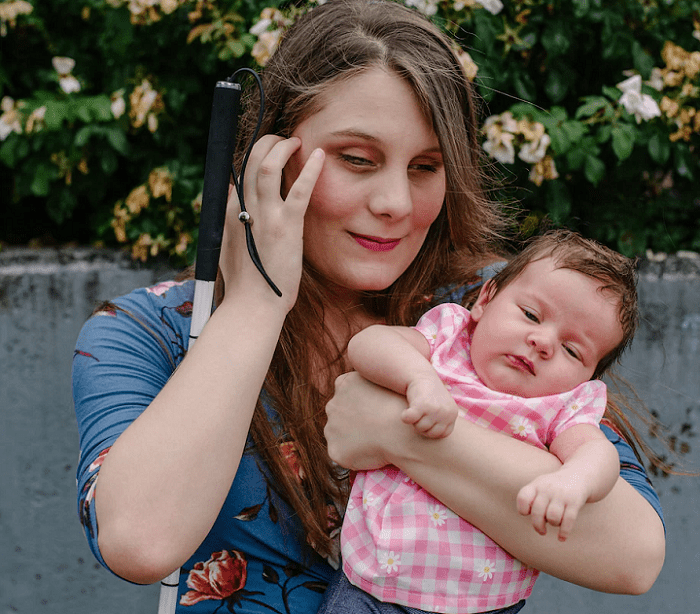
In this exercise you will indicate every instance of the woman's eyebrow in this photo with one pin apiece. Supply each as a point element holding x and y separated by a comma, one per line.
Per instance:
<point>355,133</point>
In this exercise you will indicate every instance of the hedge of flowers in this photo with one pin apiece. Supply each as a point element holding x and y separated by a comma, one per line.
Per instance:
<point>591,112</point>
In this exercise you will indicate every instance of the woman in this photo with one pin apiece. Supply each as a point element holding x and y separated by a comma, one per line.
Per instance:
<point>370,123</point>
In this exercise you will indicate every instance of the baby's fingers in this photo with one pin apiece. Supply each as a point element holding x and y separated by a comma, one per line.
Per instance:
<point>567,522</point>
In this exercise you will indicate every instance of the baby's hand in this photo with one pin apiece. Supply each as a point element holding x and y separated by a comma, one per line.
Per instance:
<point>431,408</point>
<point>553,499</point>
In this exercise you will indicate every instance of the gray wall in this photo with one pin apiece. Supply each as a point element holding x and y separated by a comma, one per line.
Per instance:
<point>45,564</point>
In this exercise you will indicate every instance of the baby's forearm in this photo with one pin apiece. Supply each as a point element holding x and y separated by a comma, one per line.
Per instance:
<point>594,463</point>
<point>385,356</point>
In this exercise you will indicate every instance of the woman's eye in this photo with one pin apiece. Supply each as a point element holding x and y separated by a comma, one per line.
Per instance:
<point>355,160</point>
<point>424,168</point>
<point>531,316</point>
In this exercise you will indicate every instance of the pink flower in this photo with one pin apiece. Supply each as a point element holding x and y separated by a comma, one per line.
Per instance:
<point>163,287</point>
<point>218,578</point>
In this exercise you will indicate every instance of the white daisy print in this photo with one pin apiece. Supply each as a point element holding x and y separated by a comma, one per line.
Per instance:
<point>367,500</point>
<point>485,569</point>
<point>389,561</point>
<point>521,426</point>
<point>437,514</point>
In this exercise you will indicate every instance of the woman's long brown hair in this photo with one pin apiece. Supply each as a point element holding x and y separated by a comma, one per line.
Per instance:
<point>335,42</point>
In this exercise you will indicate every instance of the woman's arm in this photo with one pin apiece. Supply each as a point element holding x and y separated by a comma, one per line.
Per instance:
<point>162,484</point>
<point>618,545</point>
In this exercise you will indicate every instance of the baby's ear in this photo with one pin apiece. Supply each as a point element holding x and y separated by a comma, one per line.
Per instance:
<point>488,290</point>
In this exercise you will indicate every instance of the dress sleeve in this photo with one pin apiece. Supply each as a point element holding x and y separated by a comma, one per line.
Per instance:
<point>631,469</point>
<point>124,355</point>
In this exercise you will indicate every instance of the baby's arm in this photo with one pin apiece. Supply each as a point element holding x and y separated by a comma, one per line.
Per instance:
<point>589,471</point>
<point>397,358</point>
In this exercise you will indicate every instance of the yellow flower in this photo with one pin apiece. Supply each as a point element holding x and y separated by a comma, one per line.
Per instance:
<point>160,182</point>
<point>35,121</point>
<point>9,11</point>
<point>544,170</point>
<point>468,65</point>
<point>669,107</point>
<point>265,46</point>
<point>137,200</point>
<point>139,250</point>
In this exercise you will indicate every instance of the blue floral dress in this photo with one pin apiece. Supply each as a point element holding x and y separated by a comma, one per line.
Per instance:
<point>256,558</point>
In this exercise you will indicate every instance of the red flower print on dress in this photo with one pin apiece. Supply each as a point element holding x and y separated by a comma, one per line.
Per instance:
<point>221,576</point>
<point>291,455</point>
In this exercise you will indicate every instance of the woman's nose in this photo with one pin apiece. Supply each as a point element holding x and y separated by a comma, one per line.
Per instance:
<point>392,197</point>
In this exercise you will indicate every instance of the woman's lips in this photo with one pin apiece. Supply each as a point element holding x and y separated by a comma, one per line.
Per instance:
<point>522,363</point>
<point>375,244</point>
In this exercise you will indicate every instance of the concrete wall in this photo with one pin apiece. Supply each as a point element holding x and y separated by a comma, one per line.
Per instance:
<point>45,564</point>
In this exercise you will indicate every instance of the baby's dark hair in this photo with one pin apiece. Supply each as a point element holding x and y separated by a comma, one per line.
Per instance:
<point>570,250</point>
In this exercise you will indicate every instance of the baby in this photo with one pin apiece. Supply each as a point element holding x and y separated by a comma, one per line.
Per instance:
<point>526,360</point>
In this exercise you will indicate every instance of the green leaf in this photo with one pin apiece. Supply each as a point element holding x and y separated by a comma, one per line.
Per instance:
<point>56,112</point>
<point>14,149</point>
<point>44,174</point>
<point>594,169</point>
<point>611,92</point>
<point>581,7</point>
<point>556,39</point>
<point>108,161</point>
<point>659,148</point>
<point>623,137</point>
<point>525,87</point>
<point>574,131</point>
<point>557,85</point>
<point>643,62</point>
<point>117,139</point>
<point>558,201</point>
<point>592,105</point>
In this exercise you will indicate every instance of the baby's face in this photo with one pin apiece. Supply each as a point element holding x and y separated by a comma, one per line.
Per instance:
<point>545,332</point>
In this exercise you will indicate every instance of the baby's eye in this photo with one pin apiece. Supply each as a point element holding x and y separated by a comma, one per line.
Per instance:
<point>572,352</point>
<point>531,316</point>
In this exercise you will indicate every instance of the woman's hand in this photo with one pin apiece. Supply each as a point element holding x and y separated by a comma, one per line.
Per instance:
<point>278,222</point>
<point>364,423</point>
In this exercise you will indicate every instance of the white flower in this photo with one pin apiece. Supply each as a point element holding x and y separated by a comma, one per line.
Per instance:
<point>492,6</point>
<point>485,569</point>
<point>152,122</point>
<point>9,120</point>
<point>501,149</point>
<point>437,514</point>
<point>118,104</point>
<point>427,7</point>
<point>642,106</point>
<point>69,84</point>
<point>367,500</point>
<point>261,27</point>
<point>656,80</point>
<point>389,561</point>
<point>521,426</point>
<point>62,65</point>
<point>534,151</point>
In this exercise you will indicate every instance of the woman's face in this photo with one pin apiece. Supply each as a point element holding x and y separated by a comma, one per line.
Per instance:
<point>382,184</point>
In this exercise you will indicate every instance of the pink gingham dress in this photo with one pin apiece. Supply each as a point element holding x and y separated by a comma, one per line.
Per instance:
<point>403,546</point>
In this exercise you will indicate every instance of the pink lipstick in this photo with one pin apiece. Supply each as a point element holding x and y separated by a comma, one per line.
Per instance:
<point>375,244</point>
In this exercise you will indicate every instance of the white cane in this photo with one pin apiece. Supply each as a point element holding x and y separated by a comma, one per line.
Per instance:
<point>218,171</point>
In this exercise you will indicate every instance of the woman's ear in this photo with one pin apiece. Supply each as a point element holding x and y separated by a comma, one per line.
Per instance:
<point>488,290</point>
